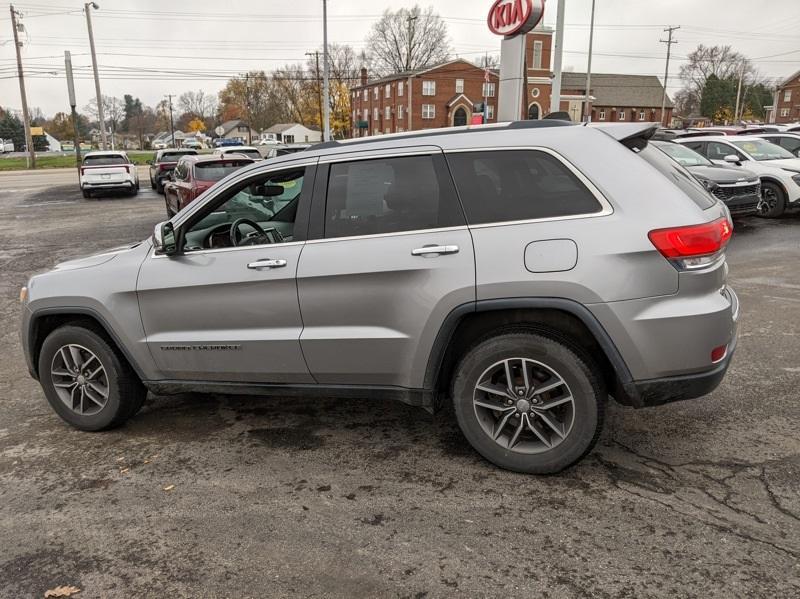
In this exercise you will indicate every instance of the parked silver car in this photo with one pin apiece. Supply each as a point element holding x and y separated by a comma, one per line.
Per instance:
<point>520,272</point>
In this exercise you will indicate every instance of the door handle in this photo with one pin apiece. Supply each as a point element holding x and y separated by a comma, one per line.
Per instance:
<point>435,249</point>
<point>266,263</point>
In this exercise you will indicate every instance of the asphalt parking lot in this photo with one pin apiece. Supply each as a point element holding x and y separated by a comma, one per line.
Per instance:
<point>275,498</point>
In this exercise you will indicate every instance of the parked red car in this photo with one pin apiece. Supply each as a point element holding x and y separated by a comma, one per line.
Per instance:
<point>195,174</point>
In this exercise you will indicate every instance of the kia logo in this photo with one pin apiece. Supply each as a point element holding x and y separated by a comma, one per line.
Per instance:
<point>513,17</point>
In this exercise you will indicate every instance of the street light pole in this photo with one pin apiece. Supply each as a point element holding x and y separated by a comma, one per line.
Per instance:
<point>100,115</point>
<point>25,118</point>
<point>73,112</point>
<point>669,41</point>
<point>171,124</point>
<point>315,54</point>
<point>558,55</point>
<point>326,92</point>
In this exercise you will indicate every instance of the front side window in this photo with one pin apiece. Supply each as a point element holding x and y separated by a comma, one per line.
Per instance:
<point>511,185</point>
<point>389,195</point>
<point>428,111</point>
<point>269,202</point>
<point>790,143</point>
<point>718,151</point>
<point>681,154</point>
<point>428,88</point>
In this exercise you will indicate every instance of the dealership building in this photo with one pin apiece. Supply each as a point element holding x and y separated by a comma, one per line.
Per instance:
<point>444,95</point>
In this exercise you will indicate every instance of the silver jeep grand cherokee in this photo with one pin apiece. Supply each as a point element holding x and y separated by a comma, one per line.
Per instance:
<point>524,272</point>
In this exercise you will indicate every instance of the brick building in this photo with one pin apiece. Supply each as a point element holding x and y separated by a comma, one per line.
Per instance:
<point>443,95</point>
<point>787,101</point>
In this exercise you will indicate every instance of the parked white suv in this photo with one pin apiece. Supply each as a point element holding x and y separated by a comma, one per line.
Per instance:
<point>778,168</point>
<point>108,171</point>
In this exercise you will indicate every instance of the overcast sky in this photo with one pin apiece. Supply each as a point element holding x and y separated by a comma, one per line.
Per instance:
<point>214,40</point>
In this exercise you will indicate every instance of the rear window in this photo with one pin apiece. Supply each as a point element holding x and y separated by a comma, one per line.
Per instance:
<point>110,160</point>
<point>175,156</point>
<point>511,185</point>
<point>215,171</point>
<point>678,175</point>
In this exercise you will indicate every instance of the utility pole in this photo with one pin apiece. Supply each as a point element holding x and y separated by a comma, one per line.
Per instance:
<point>100,115</point>
<point>669,41</point>
<point>738,94</point>
<point>409,39</point>
<point>326,72</point>
<point>72,104</point>
<point>26,121</point>
<point>558,51</point>
<point>171,124</point>
<point>587,116</point>
<point>315,54</point>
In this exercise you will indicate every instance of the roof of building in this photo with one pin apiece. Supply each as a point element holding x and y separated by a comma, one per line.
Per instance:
<point>635,91</point>
<point>281,127</point>
<point>228,126</point>
<point>789,79</point>
<point>420,71</point>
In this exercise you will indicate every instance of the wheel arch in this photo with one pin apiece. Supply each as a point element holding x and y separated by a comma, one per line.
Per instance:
<point>776,181</point>
<point>46,320</point>
<point>561,318</point>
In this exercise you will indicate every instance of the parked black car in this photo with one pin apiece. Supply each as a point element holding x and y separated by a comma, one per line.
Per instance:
<point>739,189</point>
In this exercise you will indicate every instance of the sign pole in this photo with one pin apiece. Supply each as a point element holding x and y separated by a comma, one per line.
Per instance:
<point>558,50</point>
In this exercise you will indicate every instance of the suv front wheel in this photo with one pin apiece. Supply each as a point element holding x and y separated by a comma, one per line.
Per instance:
<point>86,382</point>
<point>529,403</point>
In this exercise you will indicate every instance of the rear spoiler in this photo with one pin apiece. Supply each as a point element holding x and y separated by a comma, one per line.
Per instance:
<point>631,135</point>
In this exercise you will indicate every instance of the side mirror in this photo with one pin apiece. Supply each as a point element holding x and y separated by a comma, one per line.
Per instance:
<point>732,158</point>
<point>164,239</point>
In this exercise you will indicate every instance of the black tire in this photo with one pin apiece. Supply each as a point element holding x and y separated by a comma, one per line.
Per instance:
<point>160,188</point>
<point>152,184</point>
<point>773,200</point>
<point>86,194</point>
<point>126,394</point>
<point>582,381</point>
<point>137,185</point>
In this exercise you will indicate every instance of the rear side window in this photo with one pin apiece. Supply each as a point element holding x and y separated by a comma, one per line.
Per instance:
<point>111,160</point>
<point>389,195</point>
<point>511,185</point>
<point>678,175</point>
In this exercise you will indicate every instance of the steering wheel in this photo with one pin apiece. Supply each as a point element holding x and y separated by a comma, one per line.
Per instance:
<point>237,238</point>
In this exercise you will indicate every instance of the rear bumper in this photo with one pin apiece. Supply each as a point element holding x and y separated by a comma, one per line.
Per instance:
<point>657,392</point>
<point>109,185</point>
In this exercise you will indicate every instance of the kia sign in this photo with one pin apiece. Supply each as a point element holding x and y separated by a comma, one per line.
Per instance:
<point>514,17</point>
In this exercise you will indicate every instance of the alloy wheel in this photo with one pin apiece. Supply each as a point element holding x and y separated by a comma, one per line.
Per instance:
<point>524,405</point>
<point>769,199</point>
<point>80,380</point>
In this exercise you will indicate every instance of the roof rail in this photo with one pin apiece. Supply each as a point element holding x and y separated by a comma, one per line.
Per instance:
<point>511,125</point>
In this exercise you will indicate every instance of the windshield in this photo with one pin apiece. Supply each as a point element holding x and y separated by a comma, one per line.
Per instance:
<point>215,171</point>
<point>109,160</point>
<point>254,154</point>
<point>683,155</point>
<point>763,150</point>
<point>174,156</point>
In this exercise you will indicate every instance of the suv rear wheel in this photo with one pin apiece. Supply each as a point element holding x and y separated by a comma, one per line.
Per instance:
<point>86,382</point>
<point>529,403</point>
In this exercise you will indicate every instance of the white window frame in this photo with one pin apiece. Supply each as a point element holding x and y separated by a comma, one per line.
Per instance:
<point>387,93</point>
<point>488,89</point>
<point>366,114</point>
<point>400,112</point>
<point>387,113</point>
<point>366,94</point>
<point>601,115</point>
<point>787,95</point>
<point>429,111</point>
<point>459,86</point>
<point>375,92</point>
<point>538,52</point>
<point>785,112</point>
<point>428,88</point>
<point>642,114</point>
<point>622,115</point>
<point>489,112</point>
<point>400,88</point>
<point>375,114</point>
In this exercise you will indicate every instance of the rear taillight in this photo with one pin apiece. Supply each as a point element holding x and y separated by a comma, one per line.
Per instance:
<point>83,170</point>
<point>162,167</point>
<point>127,170</point>
<point>693,246</point>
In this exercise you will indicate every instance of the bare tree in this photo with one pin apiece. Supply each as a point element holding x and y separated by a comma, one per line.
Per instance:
<point>703,62</point>
<point>408,39</point>
<point>199,104</point>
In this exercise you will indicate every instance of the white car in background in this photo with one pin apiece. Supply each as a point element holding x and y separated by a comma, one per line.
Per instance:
<point>247,151</point>
<point>108,171</point>
<point>778,168</point>
<point>6,145</point>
